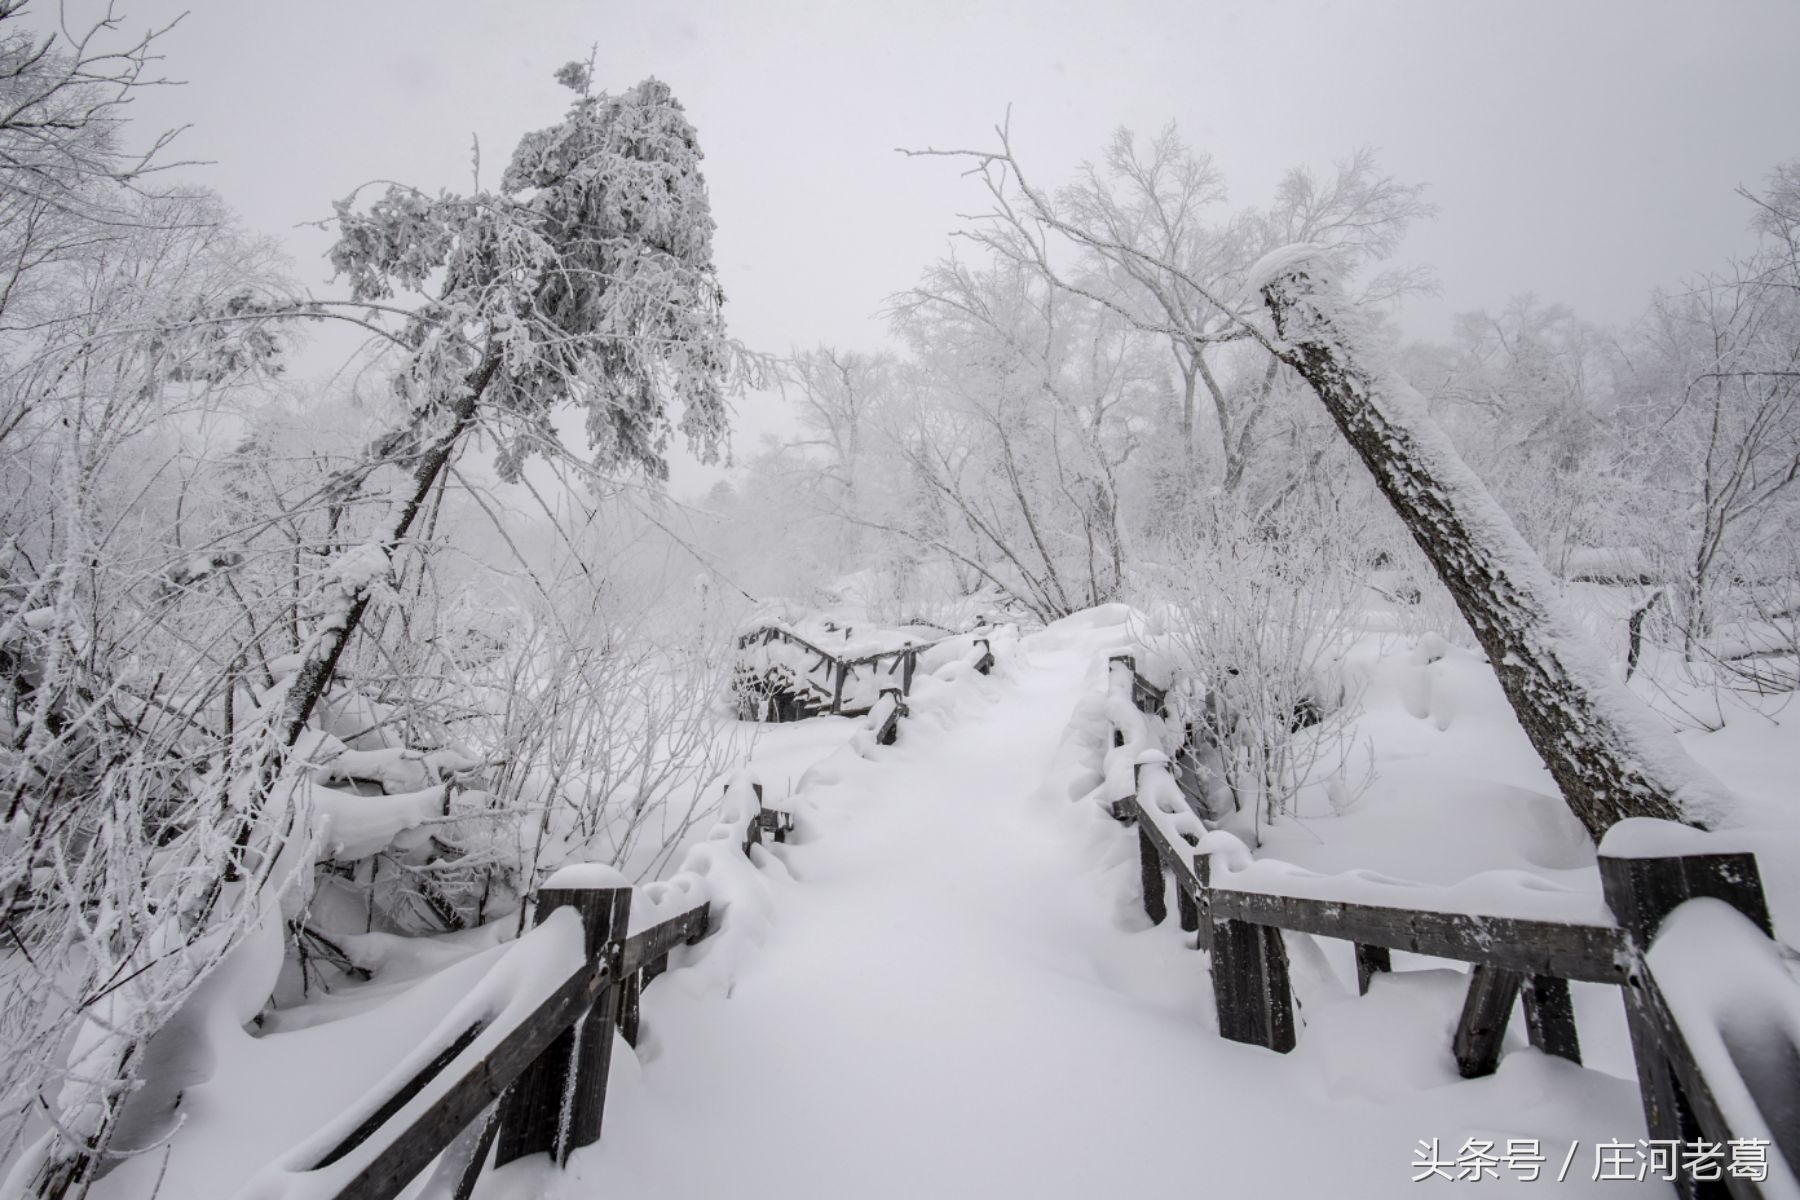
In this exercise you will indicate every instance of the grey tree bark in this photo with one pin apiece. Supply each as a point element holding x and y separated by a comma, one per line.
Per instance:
<point>1595,753</point>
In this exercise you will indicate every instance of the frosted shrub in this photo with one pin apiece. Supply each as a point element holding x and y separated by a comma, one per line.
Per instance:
<point>1257,615</point>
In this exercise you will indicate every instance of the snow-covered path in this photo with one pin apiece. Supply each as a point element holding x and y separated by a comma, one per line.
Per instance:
<point>954,996</point>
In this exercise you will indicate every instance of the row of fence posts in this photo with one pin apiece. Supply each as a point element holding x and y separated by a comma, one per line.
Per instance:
<point>1255,1004</point>
<point>841,668</point>
<point>568,1081</point>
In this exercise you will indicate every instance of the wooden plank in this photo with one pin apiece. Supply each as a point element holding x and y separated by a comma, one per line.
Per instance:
<point>631,996</point>
<point>465,1157</point>
<point>1250,985</point>
<point>559,1104</point>
<point>649,945</point>
<point>776,823</point>
<point>1678,1103</point>
<point>1370,961</point>
<point>1146,697</point>
<point>1486,1010</point>
<point>1175,860</point>
<point>1550,1017</point>
<point>1642,891</point>
<point>1694,1109</point>
<point>409,1150</point>
<point>484,1145</point>
<point>1590,953</point>
<point>753,829</point>
<point>889,732</point>
<point>1187,909</point>
<point>1150,874</point>
<point>389,1108</point>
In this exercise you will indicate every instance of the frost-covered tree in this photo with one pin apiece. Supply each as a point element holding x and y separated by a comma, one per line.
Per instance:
<point>119,633</point>
<point>1145,233</point>
<point>66,172</point>
<point>583,284</point>
<point>1716,405</point>
<point>1608,753</point>
<point>1530,395</point>
<point>1025,407</point>
<point>586,280</point>
<point>838,396</point>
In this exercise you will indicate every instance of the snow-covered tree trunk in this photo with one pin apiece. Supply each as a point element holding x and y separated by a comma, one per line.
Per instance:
<point>1605,749</point>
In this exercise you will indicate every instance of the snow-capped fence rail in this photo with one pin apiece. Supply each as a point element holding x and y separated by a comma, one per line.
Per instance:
<point>1153,701</point>
<point>1712,1008</point>
<point>783,685</point>
<point>520,1065</point>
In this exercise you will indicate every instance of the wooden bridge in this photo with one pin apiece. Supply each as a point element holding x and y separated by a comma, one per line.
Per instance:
<point>524,1071</point>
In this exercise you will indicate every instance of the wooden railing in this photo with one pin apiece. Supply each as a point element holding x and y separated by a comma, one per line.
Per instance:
<point>1705,1074</point>
<point>520,1075</point>
<point>814,698</point>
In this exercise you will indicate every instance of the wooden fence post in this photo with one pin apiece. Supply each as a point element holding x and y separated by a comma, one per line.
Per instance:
<point>1486,1010</point>
<point>574,1067</point>
<point>1550,1017</point>
<point>631,1007</point>
<point>1187,909</point>
<point>754,830</point>
<point>889,733</point>
<point>985,663</point>
<point>1150,871</point>
<point>1641,892</point>
<point>909,662</point>
<point>1370,962</point>
<point>837,687</point>
<point>1250,979</point>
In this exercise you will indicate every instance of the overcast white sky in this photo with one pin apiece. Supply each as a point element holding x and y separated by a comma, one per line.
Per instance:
<point>1580,149</point>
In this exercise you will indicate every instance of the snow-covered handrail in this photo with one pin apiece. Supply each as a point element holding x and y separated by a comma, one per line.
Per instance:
<point>1713,1010</point>
<point>1725,1010</point>
<point>516,1047</point>
<point>839,671</point>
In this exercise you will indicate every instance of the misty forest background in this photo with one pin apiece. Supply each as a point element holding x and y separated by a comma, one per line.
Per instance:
<point>440,593</point>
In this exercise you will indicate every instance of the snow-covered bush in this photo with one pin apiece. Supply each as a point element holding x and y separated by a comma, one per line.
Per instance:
<point>253,646</point>
<point>1254,619</point>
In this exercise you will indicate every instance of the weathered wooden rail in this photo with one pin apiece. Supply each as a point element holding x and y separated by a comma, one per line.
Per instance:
<point>811,697</point>
<point>1706,1074</point>
<point>519,1078</point>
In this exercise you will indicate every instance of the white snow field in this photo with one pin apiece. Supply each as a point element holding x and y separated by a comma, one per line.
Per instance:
<point>952,992</point>
<point>945,985</point>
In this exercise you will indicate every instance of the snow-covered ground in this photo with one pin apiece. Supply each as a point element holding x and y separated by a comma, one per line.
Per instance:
<point>946,986</point>
<point>958,995</point>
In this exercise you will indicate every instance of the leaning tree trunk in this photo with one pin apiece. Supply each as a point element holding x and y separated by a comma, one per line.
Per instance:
<point>1607,752</point>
